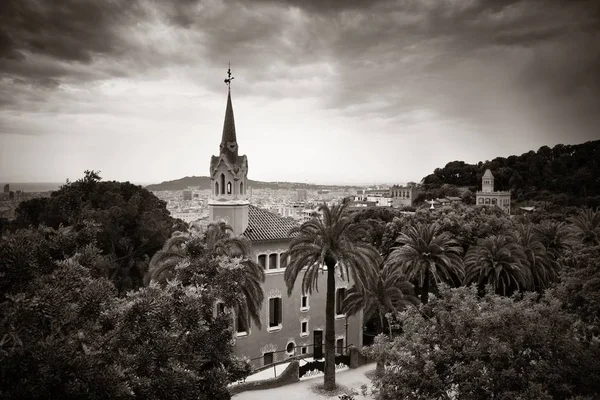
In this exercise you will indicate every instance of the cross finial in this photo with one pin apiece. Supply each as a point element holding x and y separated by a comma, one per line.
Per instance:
<point>229,77</point>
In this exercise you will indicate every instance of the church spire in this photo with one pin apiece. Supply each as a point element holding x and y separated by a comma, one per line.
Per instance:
<point>229,146</point>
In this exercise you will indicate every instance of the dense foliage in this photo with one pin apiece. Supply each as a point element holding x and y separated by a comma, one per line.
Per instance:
<point>65,332</point>
<point>133,222</point>
<point>217,257</point>
<point>565,174</point>
<point>492,347</point>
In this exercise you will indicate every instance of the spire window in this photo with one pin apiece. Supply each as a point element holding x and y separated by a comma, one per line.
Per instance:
<point>222,183</point>
<point>228,187</point>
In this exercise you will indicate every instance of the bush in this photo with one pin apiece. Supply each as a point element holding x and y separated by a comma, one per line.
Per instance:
<point>490,347</point>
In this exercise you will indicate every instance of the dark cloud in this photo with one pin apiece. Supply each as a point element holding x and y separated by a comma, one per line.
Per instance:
<point>460,59</point>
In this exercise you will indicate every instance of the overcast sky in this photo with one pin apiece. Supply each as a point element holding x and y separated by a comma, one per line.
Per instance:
<point>340,91</point>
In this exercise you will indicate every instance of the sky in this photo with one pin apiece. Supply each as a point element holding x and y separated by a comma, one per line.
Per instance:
<point>339,91</point>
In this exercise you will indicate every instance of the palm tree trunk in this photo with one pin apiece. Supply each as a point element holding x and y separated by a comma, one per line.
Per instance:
<point>425,288</point>
<point>329,379</point>
<point>380,364</point>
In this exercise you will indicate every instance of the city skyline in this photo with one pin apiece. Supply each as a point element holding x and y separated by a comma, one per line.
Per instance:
<point>338,92</point>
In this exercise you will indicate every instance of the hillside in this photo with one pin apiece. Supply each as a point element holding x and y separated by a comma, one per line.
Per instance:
<point>203,182</point>
<point>564,174</point>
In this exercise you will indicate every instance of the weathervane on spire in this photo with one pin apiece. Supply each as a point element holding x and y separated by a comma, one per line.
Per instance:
<point>229,77</point>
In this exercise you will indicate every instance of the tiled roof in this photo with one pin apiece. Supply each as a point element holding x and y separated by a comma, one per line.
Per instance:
<point>488,174</point>
<point>264,225</point>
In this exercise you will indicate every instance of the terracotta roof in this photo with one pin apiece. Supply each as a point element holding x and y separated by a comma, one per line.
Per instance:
<point>264,225</point>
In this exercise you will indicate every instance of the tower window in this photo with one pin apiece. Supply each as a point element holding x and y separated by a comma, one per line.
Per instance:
<point>228,187</point>
<point>241,187</point>
<point>222,183</point>
<point>216,188</point>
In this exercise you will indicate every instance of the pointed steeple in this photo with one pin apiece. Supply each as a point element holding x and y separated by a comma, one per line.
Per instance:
<point>229,146</point>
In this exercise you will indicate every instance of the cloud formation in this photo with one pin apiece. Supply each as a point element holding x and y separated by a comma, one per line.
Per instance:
<point>525,69</point>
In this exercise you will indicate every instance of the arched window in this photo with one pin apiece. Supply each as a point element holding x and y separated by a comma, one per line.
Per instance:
<point>487,201</point>
<point>216,188</point>
<point>222,183</point>
<point>228,187</point>
<point>241,187</point>
<point>481,200</point>
<point>494,201</point>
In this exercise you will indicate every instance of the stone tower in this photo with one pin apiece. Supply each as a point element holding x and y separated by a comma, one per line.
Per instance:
<point>229,176</point>
<point>487,182</point>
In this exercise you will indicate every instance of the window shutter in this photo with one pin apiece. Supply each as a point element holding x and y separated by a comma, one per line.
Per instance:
<point>280,311</point>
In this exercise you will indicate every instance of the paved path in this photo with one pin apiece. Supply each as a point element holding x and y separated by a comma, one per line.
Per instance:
<point>351,378</point>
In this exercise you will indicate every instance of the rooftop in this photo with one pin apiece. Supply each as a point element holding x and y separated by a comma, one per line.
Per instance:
<point>264,225</point>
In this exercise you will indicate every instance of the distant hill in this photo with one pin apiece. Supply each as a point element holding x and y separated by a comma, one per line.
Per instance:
<point>564,174</point>
<point>203,182</point>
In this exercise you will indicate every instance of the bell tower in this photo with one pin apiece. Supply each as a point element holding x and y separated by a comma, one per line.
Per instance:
<point>229,176</point>
<point>487,182</point>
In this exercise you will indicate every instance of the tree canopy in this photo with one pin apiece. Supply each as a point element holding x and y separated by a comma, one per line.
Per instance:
<point>134,224</point>
<point>566,174</point>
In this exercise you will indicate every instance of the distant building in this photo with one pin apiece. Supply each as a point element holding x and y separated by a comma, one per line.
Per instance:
<point>488,196</point>
<point>301,195</point>
<point>187,195</point>
<point>189,216</point>
<point>6,188</point>
<point>377,197</point>
<point>11,195</point>
<point>403,196</point>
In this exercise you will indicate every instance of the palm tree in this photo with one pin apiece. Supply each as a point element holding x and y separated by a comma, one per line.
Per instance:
<point>330,243</point>
<point>500,262</point>
<point>385,291</point>
<point>425,252</point>
<point>556,237</point>
<point>585,226</point>
<point>186,254</point>
<point>543,269</point>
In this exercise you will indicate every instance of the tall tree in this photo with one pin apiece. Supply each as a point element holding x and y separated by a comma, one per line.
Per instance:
<point>498,261</point>
<point>330,243</point>
<point>425,253</point>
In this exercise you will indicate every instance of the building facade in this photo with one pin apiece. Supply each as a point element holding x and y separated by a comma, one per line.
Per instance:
<point>403,195</point>
<point>290,324</point>
<point>487,195</point>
